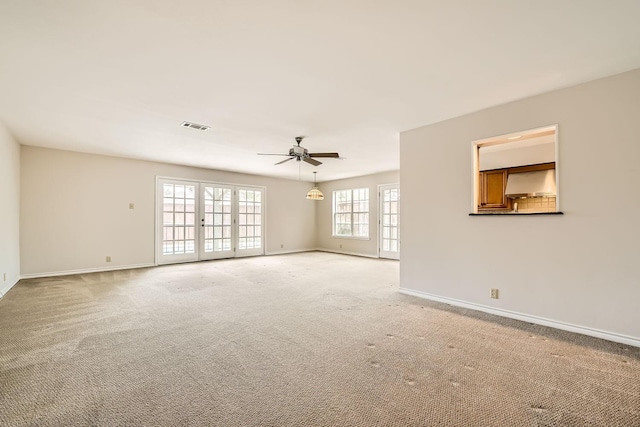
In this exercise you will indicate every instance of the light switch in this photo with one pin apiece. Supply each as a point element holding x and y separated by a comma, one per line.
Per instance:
<point>131,206</point>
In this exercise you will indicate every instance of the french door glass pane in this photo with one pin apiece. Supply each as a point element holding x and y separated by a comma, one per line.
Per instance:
<point>390,217</point>
<point>178,235</point>
<point>249,219</point>
<point>217,219</point>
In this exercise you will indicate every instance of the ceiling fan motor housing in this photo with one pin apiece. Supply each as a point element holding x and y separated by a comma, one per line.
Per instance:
<point>298,151</point>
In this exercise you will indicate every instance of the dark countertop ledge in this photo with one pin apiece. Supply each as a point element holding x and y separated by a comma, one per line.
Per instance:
<point>515,213</point>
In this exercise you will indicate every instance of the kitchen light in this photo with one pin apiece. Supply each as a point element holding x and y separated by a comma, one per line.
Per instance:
<point>315,193</point>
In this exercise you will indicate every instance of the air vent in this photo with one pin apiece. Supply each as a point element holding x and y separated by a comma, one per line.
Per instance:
<point>195,126</point>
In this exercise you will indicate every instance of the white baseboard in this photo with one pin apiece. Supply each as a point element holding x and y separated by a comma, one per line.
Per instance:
<point>84,271</point>
<point>610,336</point>
<point>124,267</point>
<point>346,253</point>
<point>6,287</point>
<point>290,251</point>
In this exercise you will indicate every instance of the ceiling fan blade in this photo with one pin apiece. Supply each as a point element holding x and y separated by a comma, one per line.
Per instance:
<point>312,161</point>
<point>270,154</point>
<point>333,155</point>
<point>285,160</point>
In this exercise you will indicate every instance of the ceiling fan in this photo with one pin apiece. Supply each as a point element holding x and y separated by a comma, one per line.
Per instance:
<point>302,154</point>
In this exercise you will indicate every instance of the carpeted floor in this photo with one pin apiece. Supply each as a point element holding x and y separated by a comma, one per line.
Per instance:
<point>310,339</point>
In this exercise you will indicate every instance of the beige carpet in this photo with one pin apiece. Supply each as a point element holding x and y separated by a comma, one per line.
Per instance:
<point>312,339</point>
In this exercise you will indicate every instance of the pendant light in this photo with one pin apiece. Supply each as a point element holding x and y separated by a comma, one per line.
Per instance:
<point>315,193</point>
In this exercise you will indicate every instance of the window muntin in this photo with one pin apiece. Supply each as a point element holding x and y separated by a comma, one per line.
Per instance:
<point>351,213</point>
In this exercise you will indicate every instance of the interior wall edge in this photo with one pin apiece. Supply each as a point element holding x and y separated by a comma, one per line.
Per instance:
<point>10,184</point>
<point>584,330</point>
<point>6,288</point>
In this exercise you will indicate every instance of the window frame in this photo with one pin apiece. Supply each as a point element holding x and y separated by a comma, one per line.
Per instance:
<point>351,213</point>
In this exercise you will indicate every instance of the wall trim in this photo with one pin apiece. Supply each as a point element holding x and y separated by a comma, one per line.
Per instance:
<point>597,333</point>
<point>6,288</point>
<point>347,253</point>
<point>288,251</point>
<point>85,271</point>
<point>128,267</point>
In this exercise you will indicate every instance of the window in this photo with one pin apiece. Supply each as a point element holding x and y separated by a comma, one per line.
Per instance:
<point>351,213</point>
<point>516,173</point>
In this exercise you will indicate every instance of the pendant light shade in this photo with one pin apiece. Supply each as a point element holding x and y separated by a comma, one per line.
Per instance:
<point>315,193</point>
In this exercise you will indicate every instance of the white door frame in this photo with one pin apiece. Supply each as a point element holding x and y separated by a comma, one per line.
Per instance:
<point>208,239</point>
<point>200,253</point>
<point>248,212</point>
<point>160,258</point>
<point>382,253</point>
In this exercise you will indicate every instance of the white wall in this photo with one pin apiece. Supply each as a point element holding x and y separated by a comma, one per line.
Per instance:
<point>325,240</point>
<point>75,210</point>
<point>9,211</point>
<point>578,271</point>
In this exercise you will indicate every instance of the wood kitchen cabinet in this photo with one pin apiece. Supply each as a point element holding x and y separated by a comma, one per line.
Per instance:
<point>493,184</point>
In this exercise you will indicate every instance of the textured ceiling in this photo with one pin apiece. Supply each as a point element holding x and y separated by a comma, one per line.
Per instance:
<point>118,77</point>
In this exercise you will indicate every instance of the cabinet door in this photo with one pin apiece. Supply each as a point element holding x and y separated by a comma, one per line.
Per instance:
<point>493,185</point>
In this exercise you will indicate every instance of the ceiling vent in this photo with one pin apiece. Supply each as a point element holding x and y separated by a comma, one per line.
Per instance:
<point>195,126</point>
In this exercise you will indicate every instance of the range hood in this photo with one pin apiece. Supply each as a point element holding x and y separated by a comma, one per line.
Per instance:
<point>531,184</point>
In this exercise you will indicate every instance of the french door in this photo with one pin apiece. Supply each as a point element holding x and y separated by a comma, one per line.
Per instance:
<point>389,224</point>
<point>202,221</point>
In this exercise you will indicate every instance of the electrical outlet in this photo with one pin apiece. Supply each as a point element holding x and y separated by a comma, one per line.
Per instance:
<point>340,245</point>
<point>108,258</point>
<point>281,245</point>
<point>494,293</point>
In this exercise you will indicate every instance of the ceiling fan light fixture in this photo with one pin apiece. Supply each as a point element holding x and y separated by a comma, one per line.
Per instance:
<point>315,193</point>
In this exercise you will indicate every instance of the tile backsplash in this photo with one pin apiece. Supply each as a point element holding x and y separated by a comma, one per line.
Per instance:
<point>536,204</point>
